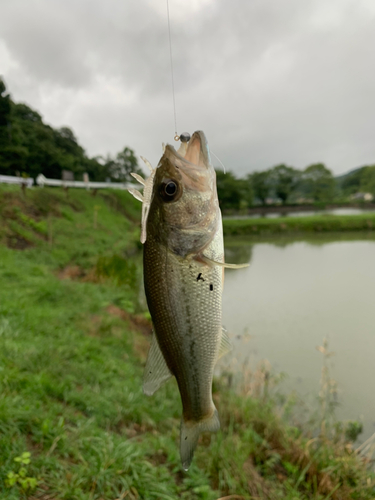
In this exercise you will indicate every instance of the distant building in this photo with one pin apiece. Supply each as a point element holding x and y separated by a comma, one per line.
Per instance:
<point>362,197</point>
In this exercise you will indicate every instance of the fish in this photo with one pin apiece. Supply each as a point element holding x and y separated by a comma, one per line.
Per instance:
<point>184,264</point>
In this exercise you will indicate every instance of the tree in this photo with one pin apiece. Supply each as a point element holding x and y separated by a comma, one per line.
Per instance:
<point>368,179</point>
<point>351,182</point>
<point>28,145</point>
<point>233,193</point>
<point>319,182</point>
<point>284,181</point>
<point>66,140</point>
<point>96,168</point>
<point>247,191</point>
<point>25,113</point>
<point>5,107</point>
<point>125,163</point>
<point>260,185</point>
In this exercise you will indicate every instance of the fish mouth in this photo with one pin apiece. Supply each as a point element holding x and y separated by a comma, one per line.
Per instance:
<point>196,151</point>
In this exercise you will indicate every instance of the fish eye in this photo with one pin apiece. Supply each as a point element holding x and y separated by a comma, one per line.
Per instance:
<point>170,190</point>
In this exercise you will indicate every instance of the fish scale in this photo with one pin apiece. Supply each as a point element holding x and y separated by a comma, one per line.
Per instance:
<point>187,320</point>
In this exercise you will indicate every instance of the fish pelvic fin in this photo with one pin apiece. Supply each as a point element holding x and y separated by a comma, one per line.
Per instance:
<point>189,435</point>
<point>156,369</point>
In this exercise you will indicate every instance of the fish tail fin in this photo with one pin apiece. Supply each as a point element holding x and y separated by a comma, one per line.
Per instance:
<point>189,435</point>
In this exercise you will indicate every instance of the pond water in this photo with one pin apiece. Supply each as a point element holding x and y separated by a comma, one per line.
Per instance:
<point>296,293</point>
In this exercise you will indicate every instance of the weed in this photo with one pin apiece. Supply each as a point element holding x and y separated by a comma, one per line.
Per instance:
<point>20,477</point>
<point>328,392</point>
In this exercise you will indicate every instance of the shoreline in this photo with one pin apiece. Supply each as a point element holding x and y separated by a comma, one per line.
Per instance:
<point>295,225</point>
<point>285,209</point>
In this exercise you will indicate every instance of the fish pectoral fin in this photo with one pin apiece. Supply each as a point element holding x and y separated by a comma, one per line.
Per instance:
<point>211,263</point>
<point>225,345</point>
<point>156,369</point>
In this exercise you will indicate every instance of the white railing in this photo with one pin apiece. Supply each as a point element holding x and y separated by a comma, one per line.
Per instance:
<point>9,179</point>
<point>43,181</point>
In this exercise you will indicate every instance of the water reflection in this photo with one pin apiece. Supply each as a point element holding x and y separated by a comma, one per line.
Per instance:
<point>234,246</point>
<point>297,292</point>
<point>238,254</point>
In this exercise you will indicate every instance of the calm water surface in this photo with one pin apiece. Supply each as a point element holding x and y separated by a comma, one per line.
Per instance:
<point>294,294</point>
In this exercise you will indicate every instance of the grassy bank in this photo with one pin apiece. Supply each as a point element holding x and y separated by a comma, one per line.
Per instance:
<point>73,343</point>
<point>295,225</point>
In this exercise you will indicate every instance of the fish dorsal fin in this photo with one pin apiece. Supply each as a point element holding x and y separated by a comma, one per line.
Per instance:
<point>225,344</point>
<point>148,185</point>
<point>156,369</point>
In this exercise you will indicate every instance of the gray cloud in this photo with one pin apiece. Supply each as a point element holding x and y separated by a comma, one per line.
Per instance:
<point>268,81</point>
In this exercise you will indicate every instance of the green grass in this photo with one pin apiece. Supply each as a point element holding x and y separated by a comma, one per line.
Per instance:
<point>72,352</point>
<point>77,227</point>
<point>295,225</point>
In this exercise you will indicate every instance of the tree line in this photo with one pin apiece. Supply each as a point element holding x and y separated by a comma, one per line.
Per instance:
<point>283,184</point>
<point>29,147</point>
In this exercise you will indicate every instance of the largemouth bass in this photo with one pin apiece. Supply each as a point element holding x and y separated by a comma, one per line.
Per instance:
<point>183,279</point>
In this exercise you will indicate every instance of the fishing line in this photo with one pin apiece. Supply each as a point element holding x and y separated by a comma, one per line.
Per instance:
<point>221,163</point>
<point>176,137</point>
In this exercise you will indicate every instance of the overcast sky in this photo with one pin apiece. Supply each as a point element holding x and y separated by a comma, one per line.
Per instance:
<point>268,81</point>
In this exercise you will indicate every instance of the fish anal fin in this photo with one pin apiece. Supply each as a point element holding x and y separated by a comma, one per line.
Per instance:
<point>225,345</point>
<point>189,435</point>
<point>156,370</point>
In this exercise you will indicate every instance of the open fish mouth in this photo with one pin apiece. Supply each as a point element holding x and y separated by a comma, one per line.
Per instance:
<point>191,157</point>
<point>196,151</point>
